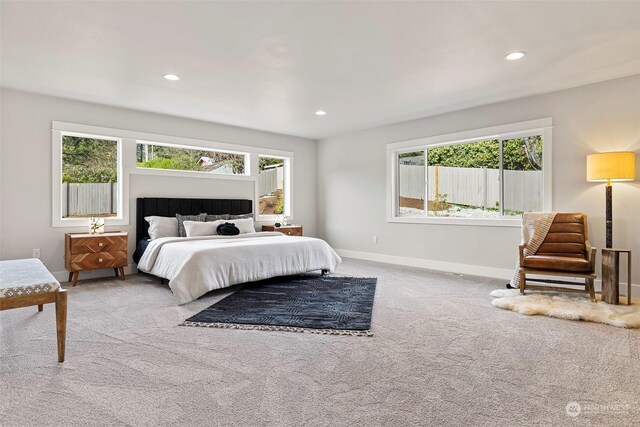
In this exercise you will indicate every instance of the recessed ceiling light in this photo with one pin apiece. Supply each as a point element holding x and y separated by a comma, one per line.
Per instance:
<point>172,77</point>
<point>515,55</point>
<point>321,113</point>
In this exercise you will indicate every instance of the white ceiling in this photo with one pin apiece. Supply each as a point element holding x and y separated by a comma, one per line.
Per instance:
<point>270,65</point>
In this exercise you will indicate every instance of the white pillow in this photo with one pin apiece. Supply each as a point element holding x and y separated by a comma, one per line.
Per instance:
<point>162,226</point>
<point>245,225</point>
<point>199,228</point>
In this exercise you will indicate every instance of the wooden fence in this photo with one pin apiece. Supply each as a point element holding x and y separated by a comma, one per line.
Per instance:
<point>270,180</point>
<point>89,199</point>
<point>475,186</point>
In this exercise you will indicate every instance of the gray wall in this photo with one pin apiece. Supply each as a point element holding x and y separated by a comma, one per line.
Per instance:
<point>25,168</point>
<point>351,192</point>
<point>601,117</point>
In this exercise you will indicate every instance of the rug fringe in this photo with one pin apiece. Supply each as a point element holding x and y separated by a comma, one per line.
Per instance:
<point>365,333</point>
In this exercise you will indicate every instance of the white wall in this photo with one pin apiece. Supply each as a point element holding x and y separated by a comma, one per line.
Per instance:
<point>589,119</point>
<point>25,168</point>
<point>1,157</point>
<point>351,187</point>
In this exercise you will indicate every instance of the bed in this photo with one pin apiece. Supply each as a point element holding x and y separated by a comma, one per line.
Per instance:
<point>197,265</point>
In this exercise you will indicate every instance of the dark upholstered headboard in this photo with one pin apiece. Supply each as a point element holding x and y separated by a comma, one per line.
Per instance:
<point>158,206</point>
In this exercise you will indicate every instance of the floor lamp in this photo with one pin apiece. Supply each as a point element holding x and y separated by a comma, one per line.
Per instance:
<point>610,167</point>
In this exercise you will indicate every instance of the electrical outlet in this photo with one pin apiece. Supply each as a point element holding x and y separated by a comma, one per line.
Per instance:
<point>36,253</point>
<point>375,239</point>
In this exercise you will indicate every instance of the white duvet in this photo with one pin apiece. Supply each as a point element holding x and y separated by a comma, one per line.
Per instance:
<point>197,265</point>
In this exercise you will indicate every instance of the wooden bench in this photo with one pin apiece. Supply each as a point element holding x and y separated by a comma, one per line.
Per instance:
<point>27,282</point>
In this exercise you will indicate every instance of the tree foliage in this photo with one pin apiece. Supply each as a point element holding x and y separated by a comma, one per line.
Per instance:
<point>89,160</point>
<point>518,154</point>
<point>268,161</point>
<point>484,154</point>
<point>186,159</point>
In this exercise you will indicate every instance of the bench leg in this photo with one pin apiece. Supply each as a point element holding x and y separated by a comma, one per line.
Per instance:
<point>40,307</point>
<point>61,322</point>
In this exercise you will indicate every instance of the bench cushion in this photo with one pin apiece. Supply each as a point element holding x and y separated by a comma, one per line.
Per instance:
<point>20,277</point>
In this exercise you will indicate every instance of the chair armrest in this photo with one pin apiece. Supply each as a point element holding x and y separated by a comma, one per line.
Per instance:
<point>521,251</point>
<point>591,255</point>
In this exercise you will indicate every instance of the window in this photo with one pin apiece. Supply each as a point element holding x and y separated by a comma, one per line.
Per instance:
<point>495,177</point>
<point>91,169</point>
<point>522,175</point>
<point>411,178</point>
<point>171,157</point>
<point>463,180</point>
<point>273,186</point>
<point>90,176</point>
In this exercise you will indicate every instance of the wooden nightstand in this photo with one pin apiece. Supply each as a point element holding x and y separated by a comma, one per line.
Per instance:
<point>289,230</point>
<point>84,251</point>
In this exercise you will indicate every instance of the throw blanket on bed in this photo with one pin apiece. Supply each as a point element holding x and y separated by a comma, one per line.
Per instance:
<point>197,265</point>
<point>535,226</point>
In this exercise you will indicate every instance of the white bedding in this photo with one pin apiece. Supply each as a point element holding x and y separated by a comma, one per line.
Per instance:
<point>197,265</point>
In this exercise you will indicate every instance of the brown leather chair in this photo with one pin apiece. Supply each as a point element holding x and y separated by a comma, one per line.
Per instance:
<point>565,251</point>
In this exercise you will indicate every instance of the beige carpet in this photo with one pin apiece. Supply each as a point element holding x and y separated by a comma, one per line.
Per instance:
<point>441,355</point>
<point>568,306</point>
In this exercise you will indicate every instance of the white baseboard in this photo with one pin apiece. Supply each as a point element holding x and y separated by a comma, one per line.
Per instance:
<point>453,267</point>
<point>63,276</point>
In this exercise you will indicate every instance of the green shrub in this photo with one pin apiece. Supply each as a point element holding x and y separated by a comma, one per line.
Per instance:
<point>279,210</point>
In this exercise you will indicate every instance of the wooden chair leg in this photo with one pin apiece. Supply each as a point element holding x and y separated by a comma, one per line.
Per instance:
<point>61,322</point>
<point>592,291</point>
<point>40,307</point>
<point>523,281</point>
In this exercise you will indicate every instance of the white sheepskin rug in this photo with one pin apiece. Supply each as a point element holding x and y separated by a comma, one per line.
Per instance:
<point>568,306</point>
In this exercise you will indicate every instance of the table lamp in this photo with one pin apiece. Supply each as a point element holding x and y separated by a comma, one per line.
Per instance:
<point>610,167</point>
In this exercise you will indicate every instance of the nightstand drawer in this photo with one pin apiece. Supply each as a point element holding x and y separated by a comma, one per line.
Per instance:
<point>293,231</point>
<point>84,245</point>
<point>289,230</point>
<point>92,261</point>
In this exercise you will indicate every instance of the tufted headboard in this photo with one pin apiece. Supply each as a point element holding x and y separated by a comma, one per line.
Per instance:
<point>160,206</point>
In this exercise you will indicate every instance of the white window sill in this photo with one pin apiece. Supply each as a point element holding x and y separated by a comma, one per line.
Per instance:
<point>188,174</point>
<point>486,222</point>
<point>271,219</point>
<point>84,222</point>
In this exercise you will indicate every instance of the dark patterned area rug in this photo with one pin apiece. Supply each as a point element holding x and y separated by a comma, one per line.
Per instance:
<point>305,303</point>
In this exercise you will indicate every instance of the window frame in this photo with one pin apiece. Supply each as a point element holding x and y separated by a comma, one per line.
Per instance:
<point>541,127</point>
<point>122,217</point>
<point>177,172</point>
<point>128,166</point>
<point>288,188</point>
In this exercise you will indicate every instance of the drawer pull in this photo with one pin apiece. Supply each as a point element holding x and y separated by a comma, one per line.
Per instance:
<point>101,244</point>
<point>289,232</point>
<point>99,259</point>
